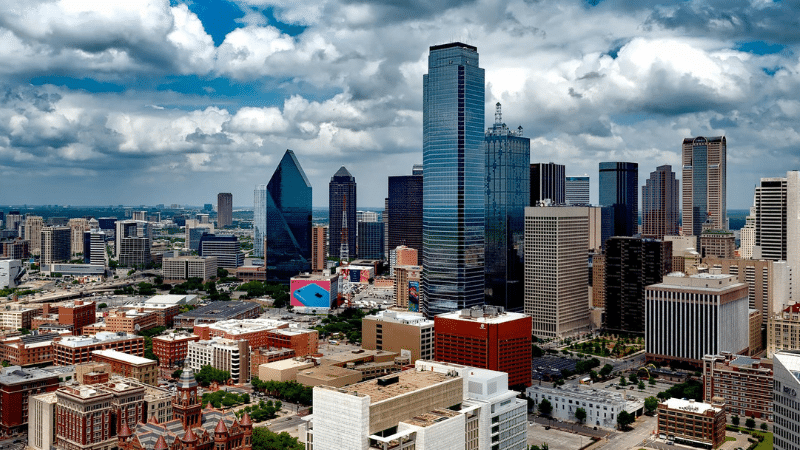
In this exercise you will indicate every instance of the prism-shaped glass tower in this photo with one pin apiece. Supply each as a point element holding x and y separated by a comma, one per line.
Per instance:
<point>287,220</point>
<point>454,180</point>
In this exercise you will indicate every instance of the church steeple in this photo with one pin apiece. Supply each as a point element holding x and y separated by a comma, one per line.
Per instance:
<point>186,405</point>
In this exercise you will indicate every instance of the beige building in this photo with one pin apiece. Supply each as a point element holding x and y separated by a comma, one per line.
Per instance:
<point>33,234</point>
<point>399,332</point>
<point>768,282</point>
<point>130,366</point>
<point>783,330</point>
<point>77,227</point>
<point>756,341</point>
<point>595,228</point>
<point>333,376</point>
<point>403,275</point>
<point>42,421</point>
<point>14,317</point>
<point>556,276</point>
<point>717,243</point>
<point>284,370</point>
<point>184,267</point>
<point>221,354</point>
<point>684,252</point>
<point>319,248</point>
<point>599,280</point>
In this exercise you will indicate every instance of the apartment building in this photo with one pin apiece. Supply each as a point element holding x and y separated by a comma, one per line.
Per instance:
<point>744,383</point>
<point>399,332</point>
<point>222,354</point>
<point>78,349</point>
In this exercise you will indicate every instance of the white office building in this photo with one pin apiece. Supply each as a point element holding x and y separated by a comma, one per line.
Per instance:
<point>10,271</point>
<point>602,407</point>
<point>222,354</point>
<point>785,404</point>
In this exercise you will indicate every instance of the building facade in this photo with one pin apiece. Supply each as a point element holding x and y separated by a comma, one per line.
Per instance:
<point>17,385</point>
<point>745,383</point>
<point>370,240</point>
<point>182,268</point>
<point>94,248</point>
<point>319,248</point>
<point>556,269</point>
<point>396,332</point>
<point>221,354</point>
<point>660,213</point>
<point>226,248</point>
<point>33,233</point>
<point>602,407</point>
<point>131,366</point>
<point>688,317</point>
<point>619,189</point>
<point>704,183</point>
<point>692,423</point>
<point>56,244</point>
<point>78,349</point>
<point>342,214</point>
<point>224,209</point>
<point>405,211</point>
<point>576,191</point>
<point>77,227</point>
<point>547,182</point>
<point>486,337</point>
<point>507,194</point>
<point>785,407</point>
<point>454,178</point>
<point>171,348</point>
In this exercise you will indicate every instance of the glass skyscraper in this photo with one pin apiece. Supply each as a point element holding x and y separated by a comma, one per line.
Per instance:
<point>454,180</point>
<point>405,211</point>
<point>341,200</point>
<point>286,220</point>
<point>704,184</point>
<point>576,191</point>
<point>508,156</point>
<point>547,183</point>
<point>619,188</point>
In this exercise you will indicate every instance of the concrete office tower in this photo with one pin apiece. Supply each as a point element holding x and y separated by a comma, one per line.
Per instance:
<point>507,192</point>
<point>547,183</point>
<point>404,211</point>
<point>771,216</point>
<point>768,281</point>
<point>793,230</point>
<point>42,421</point>
<point>688,317</point>
<point>131,228</point>
<point>139,215</point>
<point>660,212</point>
<point>55,244</point>
<point>77,227</point>
<point>556,275</point>
<point>341,208</point>
<point>33,234</point>
<point>786,408</point>
<point>224,209</point>
<point>259,219</point>
<point>576,191</point>
<point>194,233</point>
<point>133,243</point>
<point>286,221</point>
<point>619,188</point>
<point>718,243</point>
<point>94,248</point>
<point>226,248</point>
<point>747,235</point>
<point>398,332</point>
<point>370,240</point>
<point>630,265</point>
<point>704,183</point>
<point>453,184</point>
<point>319,248</point>
<point>12,220</point>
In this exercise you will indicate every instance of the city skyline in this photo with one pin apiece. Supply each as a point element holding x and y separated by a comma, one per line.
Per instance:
<point>173,101</point>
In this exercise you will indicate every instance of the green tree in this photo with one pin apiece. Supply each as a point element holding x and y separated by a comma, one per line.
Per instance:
<point>580,414</point>
<point>651,404</point>
<point>545,407</point>
<point>263,439</point>
<point>624,419</point>
<point>764,426</point>
<point>102,305</point>
<point>622,381</point>
<point>606,370</point>
<point>750,423</point>
<point>641,385</point>
<point>536,351</point>
<point>633,378</point>
<point>735,421</point>
<point>652,380</point>
<point>177,373</point>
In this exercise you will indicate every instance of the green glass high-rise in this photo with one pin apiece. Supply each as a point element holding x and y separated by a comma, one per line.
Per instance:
<point>454,180</point>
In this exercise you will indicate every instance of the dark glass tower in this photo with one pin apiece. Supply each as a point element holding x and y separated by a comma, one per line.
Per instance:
<point>619,188</point>
<point>288,227</point>
<point>341,202</point>
<point>631,265</point>
<point>548,182</point>
<point>660,204</point>
<point>405,212</point>
<point>370,240</point>
<point>508,156</point>
<point>454,180</point>
<point>704,183</point>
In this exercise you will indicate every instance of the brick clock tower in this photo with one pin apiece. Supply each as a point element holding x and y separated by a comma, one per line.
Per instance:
<point>185,404</point>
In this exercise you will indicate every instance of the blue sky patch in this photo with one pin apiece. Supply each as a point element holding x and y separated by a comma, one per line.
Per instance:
<point>85,84</point>
<point>759,47</point>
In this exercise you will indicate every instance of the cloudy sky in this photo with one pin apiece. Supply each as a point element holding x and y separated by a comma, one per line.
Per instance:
<point>158,101</point>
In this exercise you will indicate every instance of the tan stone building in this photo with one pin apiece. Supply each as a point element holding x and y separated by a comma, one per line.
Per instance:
<point>783,330</point>
<point>284,370</point>
<point>745,383</point>
<point>756,340</point>
<point>142,369</point>
<point>599,280</point>
<point>403,275</point>
<point>398,332</point>
<point>182,268</point>
<point>718,243</point>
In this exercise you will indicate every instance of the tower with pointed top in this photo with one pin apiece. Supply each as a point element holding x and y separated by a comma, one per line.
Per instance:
<point>186,405</point>
<point>342,212</point>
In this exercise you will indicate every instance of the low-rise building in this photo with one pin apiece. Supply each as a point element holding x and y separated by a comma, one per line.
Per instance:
<point>131,366</point>
<point>131,321</point>
<point>744,383</point>
<point>181,268</point>
<point>259,356</point>
<point>222,354</point>
<point>165,312</point>
<point>78,349</point>
<point>692,423</point>
<point>171,348</point>
<point>42,421</point>
<point>16,317</point>
<point>216,312</point>
<point>783,330</point>
<point>263,333</point>
<point>17,385</point>
<point>399,332</point>
<point>29,350</point>
<point>284,370</point>
<point>602,407</point>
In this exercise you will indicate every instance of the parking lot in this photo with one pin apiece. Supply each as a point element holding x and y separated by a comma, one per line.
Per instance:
<point>539,434</point>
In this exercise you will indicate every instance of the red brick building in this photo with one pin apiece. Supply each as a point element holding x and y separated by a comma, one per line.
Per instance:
<point>267,355</point>
<point>263,333</point>
<point>488,338</point>
<point>131,321</point>
<point>78,314</point>
<point>29,350</point>
<point>78,349</point>
<point>16,387</point>
<point>171,348</point>
<point>142,369</point>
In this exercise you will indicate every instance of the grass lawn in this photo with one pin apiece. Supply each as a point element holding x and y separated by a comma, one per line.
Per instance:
<point>766,444</point>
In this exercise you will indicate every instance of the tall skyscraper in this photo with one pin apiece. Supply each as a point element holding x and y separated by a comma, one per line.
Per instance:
<point>547,182</point>
<point>507,194</point>
<point>405,211</point>
<point>288,221</point>
<point>77,227</point>
<point>454,180</point>
<point>556,275</point>
<point>56,244</point>
<point>259,219</point>
<point>704,185</point>
<point>224,209</point>
<point>342,213</point>
<point>370,240</point>
<point>660,204</point>
<point>319,235</point>
<point>33,233</point>
<point>619,188</point>
<point>631,264</point>
<point>94,247</point>
<point>576,191</point>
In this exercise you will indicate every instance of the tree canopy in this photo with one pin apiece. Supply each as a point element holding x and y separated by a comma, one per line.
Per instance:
<point>208,374</point>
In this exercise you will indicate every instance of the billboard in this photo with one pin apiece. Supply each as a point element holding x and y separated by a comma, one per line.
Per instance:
<point>356,274</point>
<point>311,293</point>
<point>413,296</point>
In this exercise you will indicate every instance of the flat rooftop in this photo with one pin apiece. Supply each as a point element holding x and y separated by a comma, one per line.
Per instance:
<point>242,326</point>
<point>408,381</point>
<point>173,299</point>
<point>482,315</point>
<point>175,336</point>
<point>219,311</point>
<point>16,374</point>
<point>358,355</point>
<point>103,336</point>
<point>406,318</point>
<point>138,360</point>
<point>287,364</point>
<point>689,406</point>
<point>431,417</point>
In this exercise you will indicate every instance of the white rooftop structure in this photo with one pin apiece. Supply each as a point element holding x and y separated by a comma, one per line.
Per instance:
<point>690,406</point>
<point>403,317</point>
<point>241,326</point>
<point>172,299</point>
<point>710,281</point>
<point>484,314</point>
<point>123,357</point>
<point>103,336</point>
